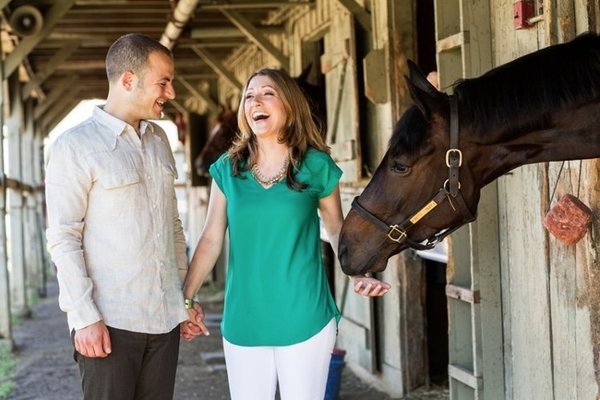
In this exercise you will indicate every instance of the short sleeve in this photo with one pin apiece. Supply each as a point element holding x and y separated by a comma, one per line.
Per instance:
<point>321,171</point>
<point>217,169</point>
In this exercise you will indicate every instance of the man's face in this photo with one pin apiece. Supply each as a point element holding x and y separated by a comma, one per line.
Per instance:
<point>154,87</point>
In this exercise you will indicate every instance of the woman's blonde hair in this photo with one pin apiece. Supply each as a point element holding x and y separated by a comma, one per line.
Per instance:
<point>300,131</point>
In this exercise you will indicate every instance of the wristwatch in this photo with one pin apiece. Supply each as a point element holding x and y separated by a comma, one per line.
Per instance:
<point>188,303</point>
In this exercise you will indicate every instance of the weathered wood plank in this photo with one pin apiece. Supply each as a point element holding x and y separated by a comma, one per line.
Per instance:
<point>526,287</point>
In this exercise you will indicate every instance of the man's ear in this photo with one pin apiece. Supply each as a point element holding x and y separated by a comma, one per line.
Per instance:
<point>128,80</point>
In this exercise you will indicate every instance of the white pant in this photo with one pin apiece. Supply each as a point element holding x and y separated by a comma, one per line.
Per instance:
<point>301,368</point>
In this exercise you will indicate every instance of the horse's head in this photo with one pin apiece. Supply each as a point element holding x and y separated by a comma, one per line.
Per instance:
<point>219,140</point>
<point>429,181</point>
<point>418,191</point>
<point>315,95</point>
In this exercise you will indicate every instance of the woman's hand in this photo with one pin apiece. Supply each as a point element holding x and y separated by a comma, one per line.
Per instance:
<point>369,287</point>
<point>194,326</point>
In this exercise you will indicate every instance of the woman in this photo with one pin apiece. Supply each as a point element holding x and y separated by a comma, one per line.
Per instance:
<point>279,320</point>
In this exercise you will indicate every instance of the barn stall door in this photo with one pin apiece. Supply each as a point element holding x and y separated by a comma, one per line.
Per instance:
<point>473,289</point>
<point>339,65</point>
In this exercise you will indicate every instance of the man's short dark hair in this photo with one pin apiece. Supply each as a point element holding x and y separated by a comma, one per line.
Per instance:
<point>130,53</point>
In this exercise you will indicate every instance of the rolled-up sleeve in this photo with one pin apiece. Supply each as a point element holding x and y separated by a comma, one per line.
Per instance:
<point>68,182</point>
<point>180,244</point>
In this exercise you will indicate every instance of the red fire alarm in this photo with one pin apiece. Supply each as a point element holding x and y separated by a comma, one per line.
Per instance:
<point>522,11</point>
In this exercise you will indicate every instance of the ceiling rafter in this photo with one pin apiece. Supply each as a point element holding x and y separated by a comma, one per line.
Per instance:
<point>214,32</point>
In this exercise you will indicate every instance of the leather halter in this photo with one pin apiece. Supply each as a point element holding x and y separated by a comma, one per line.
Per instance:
<point>450,190</point>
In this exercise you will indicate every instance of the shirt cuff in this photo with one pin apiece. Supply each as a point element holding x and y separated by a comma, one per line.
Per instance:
<point>85,315</point>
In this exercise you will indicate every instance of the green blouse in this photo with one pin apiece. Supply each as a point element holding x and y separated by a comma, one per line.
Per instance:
<point>276,291</point>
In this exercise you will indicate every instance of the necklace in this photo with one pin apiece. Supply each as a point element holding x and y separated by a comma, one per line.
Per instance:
<point>265,181</point>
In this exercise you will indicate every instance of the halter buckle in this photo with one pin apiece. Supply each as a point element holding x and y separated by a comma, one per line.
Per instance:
<point>447,185</point>
<point>396,234</point>
<point>456,153</point>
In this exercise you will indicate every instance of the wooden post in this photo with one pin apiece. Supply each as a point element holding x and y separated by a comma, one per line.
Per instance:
<point>39,200</point>
<point>15,201</point>
<point>33,271</point>
<point>5,320</point>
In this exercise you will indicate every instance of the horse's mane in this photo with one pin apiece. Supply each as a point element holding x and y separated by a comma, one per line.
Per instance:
<point>534,85</point>
<point>408,133</point>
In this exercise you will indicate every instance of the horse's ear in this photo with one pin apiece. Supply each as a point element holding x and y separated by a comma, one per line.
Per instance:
<point>425,95</point>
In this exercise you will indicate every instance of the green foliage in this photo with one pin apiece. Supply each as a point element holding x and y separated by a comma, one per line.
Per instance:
<point>7,364</point>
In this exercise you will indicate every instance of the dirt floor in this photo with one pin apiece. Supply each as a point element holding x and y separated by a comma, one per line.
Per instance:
<point>45,368</point>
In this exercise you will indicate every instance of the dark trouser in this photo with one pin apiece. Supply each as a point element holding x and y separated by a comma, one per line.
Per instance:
<point>140,367</point>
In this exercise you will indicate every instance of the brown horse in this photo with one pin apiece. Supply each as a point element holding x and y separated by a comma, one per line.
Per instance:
<point>220,139</point>
<point>225,129</point>
<point>542,107</point>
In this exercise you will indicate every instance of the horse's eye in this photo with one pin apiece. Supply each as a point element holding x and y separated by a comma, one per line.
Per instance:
<point>400,168</point>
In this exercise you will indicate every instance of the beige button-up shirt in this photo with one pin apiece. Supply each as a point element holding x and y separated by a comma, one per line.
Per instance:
<point>114,232</point>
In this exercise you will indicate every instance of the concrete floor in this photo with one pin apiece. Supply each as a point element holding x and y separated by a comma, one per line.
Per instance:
<point>45,368</point>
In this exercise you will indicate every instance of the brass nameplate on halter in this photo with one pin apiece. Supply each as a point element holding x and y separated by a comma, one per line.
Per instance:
<point>423,212</point>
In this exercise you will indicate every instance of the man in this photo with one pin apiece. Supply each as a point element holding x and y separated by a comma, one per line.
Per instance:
<point>114,232</point>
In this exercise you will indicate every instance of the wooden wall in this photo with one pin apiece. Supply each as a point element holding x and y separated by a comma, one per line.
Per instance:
<point>549,290</point>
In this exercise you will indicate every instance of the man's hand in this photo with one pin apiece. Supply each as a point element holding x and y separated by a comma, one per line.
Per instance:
<point>369,287</point>
<point>194,326</point>
<point>93,340</point>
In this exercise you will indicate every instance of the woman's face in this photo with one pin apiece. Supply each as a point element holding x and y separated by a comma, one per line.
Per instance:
<point>263,108</point>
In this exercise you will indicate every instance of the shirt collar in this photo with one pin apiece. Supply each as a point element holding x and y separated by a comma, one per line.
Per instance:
<point>116,126</point>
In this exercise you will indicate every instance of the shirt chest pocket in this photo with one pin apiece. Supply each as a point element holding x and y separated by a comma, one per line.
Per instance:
<point>111,180</point>
<point>117,193</point>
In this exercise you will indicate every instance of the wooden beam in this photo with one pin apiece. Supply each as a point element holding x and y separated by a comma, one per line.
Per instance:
<point>216,66</point>
<point>60,105</point>
<point>197,76</point>
<point>102,9</point>
<point>177,106</point>
<point>57,59</point>
<point>253,5</point>
<point>361,15</point>
<point>463,294</point>
<point>229,33</point>
<point>62,113</point>
<point>29,42</point>
<point>117,30</point>
<point>99,64</point>
<point>53,96</point>
<point>214,44</point>
<point>211,105</point>
<point>256,37</point>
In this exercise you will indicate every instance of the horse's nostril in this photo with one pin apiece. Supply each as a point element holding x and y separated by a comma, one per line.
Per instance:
<point>341,252</point>
<point>344,259</point>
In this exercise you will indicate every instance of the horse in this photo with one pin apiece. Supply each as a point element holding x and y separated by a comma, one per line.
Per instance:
<point>541,107</point>
<point>224,131</point>
<point>220,139</point>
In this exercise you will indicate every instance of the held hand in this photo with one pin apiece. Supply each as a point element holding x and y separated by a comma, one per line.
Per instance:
<point>194,326</point>
<point>93,341</point>
<point>188,330</point>
<point>369,287</point>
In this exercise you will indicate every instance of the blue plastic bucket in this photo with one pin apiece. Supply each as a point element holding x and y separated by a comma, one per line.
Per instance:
<point>334,378</point>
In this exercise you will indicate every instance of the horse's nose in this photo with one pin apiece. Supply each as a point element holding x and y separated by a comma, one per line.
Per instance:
<point>343,257</point>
